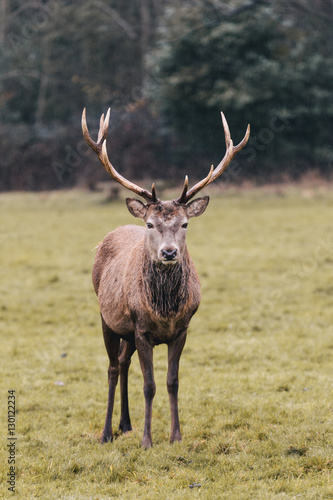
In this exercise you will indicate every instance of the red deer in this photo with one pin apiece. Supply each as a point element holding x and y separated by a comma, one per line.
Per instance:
<point>147,286</point>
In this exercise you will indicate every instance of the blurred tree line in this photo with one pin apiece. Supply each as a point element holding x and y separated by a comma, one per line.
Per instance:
<point>167,69</point>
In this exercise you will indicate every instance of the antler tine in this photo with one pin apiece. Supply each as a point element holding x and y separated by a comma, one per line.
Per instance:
<point>244,140</point>
<point>153,192</point>
<point>231,151</point>
<point>100,148</point>
<point>182,197</point>
<point>103,127</point>
<point>86,134</point>
<point>227,135</point>
<point>187,195</point>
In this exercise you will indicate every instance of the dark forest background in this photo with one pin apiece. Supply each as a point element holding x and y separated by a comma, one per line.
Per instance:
<point>166,69</point>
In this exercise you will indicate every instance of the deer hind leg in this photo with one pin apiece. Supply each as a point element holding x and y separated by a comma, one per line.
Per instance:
<point>127,348</point>
<point>112,342</point>
<point>145,352</point>
<point>175,349</point>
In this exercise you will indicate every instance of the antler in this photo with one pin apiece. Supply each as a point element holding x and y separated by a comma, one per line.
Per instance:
<point>100,148</point>
<point>215,173</point>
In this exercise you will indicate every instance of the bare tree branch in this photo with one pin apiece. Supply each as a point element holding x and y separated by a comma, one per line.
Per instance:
<point>20,73</point>
<point>117,18</point>
<point>313,10</point>
<point>26,5</point>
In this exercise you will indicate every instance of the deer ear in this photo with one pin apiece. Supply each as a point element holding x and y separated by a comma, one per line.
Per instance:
<point>136,208</point>
<point>197,207</point>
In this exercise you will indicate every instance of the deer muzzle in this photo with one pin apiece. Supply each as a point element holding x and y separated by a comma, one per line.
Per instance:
<point>169,255</point>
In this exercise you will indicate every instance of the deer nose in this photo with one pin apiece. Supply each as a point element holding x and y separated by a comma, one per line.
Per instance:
<point>169,254</point>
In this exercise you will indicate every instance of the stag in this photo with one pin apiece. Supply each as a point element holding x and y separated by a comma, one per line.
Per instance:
<point>147,286</point>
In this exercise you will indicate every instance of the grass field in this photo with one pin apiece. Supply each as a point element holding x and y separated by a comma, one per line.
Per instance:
<point>256,392</point>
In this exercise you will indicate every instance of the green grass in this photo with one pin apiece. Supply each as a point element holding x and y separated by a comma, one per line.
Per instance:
<point>256,392</point>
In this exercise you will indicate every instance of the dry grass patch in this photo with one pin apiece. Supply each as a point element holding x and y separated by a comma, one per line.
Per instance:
<point>256,373</point>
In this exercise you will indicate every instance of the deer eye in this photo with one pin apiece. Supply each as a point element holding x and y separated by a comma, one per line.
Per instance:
<point>150,225</point>
<point>185,225</point>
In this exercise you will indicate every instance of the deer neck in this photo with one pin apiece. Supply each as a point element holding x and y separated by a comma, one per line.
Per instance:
<point>166,286</point>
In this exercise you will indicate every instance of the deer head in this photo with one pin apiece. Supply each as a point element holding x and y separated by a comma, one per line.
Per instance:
<point>166,221</point>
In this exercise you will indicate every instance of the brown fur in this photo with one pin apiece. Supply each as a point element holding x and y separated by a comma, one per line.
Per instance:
<point>142,299</point>
<point>132,290</point>
<point>145,302</point>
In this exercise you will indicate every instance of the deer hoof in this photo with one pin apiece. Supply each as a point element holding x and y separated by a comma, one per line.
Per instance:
<point>106,438</point>
<point>125,427</point>
<point>146,443</point>
<point>175,437</point>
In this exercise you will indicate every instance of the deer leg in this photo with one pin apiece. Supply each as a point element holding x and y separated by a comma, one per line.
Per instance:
<point>112,341</point>
<point>175,349</point>
<point>126,350</point>
<point>145,352</point>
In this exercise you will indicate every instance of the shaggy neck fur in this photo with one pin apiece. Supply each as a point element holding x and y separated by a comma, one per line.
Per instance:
<point>166,287</point>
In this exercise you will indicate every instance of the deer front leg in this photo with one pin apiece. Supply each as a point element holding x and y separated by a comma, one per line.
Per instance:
<point>175,349</point>
<point>145,352</point>
<point>112,342</point>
